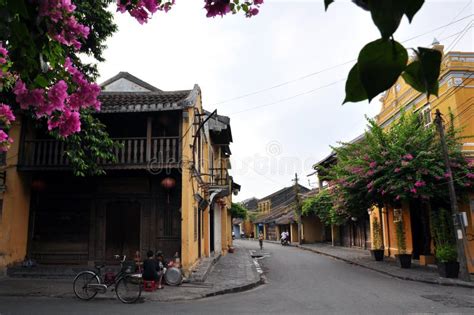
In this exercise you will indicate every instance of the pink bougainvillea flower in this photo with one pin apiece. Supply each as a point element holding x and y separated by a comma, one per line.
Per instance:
<point>447,175</point>
<point>6,114</point>
<point>217,7</point>
<point>397,197</point>
<point>252,12</point>
<point>151,5</point>
<point>5,141</point>
<point>408,157</point>
<point>27,98</point>
<point>470,175</point>
<point>420,183</point>
<point>57,94</point>
<point>413,190</point>
<point>373,164</point>
<point>3,54</point>
<point>67,123</point>
<point>397,170</point>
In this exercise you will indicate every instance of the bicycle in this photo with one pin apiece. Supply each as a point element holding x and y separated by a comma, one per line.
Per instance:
<point>127,286</point>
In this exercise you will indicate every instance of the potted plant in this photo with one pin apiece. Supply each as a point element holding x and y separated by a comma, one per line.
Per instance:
<point>403,258</point>
<point>445,253</point>
<point>446,256</point>
<point>377,250</point>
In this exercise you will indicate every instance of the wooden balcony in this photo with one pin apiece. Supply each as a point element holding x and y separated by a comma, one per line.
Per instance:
<point>219,177</point>
<point>135,153</point>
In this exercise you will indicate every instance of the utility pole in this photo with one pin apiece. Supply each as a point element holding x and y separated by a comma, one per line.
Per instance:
<point>298,206</point>
<point>458,225</point>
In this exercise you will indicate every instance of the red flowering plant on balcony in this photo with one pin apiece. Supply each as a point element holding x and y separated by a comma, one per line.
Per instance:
<point>400,163</point>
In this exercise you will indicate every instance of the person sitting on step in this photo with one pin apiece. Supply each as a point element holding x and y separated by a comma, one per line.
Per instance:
<point>150,268</point>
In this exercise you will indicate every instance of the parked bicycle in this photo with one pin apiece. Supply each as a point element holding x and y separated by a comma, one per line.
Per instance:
<point>127,285</point>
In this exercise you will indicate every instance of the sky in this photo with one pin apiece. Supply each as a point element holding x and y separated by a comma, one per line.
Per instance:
<point>279,76</point>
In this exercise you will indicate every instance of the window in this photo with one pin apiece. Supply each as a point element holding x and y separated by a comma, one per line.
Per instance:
<point>425,115</point>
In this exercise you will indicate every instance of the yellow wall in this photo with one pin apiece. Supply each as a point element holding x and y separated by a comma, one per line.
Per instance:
<point>16,205</point>
<point>456,94</point>
<point>468,207</point>
<point>294,232</point>
<point>190,186</point>
<point>313,229</point>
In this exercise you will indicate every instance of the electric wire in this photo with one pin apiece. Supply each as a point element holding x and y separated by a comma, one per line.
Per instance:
<point>328,68</point>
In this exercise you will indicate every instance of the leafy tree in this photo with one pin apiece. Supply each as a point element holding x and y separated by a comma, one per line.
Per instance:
<point>238,211</point>
<point>323,206</point>
<point>403,162</point>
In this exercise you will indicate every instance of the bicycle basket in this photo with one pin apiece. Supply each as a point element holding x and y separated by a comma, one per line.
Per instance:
<point>128,266</point>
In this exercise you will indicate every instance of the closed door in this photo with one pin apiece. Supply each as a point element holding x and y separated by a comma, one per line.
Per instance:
<point>122,235</point>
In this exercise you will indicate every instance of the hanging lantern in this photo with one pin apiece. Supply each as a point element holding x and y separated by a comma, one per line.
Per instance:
<point>168,183</point>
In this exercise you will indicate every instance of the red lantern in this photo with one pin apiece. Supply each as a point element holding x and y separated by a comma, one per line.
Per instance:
<point>168,183</point>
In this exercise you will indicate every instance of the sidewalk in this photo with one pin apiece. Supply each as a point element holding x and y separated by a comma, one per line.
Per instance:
<point>389,266</point>
<point>231,273</point>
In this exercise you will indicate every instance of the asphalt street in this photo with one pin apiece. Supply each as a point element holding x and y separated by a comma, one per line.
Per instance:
<point>298,282</point>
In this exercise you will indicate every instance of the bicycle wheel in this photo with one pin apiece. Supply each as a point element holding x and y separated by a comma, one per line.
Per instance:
<point>81,282</point>
<point>128,289</point>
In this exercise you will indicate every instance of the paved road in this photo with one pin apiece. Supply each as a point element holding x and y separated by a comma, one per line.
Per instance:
<point>298,282</point>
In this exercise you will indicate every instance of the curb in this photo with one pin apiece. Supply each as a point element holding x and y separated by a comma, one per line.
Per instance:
<point>236,289</point>
<point>242,288</point>
<point>464,285</point>
<point>203,277</point>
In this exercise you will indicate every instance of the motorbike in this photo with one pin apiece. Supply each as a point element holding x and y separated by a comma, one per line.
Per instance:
<point>284,242</point>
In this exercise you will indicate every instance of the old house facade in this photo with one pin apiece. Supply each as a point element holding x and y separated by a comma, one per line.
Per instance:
<point>169,189</point>
<point>456,91</point>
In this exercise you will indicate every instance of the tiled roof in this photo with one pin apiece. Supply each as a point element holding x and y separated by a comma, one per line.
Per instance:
<point>131,78</point>
<point>285,210</point>
<point>113,102</point>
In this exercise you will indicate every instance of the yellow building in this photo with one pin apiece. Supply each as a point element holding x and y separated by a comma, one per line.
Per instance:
<point>456,92</point>
<point>169,190</point>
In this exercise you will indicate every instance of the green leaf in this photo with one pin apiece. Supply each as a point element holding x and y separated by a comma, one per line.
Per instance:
<point>423,73</point>
<point>412,76</point>
<point>412,7</point>
<point>41,81</point>
<point>380,64</point>
<point>355,91</point>
<point>431,65</point>
<point>387,15</point>
<point>327,3</point>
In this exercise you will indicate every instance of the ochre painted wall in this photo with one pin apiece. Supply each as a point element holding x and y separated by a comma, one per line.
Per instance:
<point>313,229</point>
<point>294,232</point>
<point>455,95</point>
<point>16,205</point>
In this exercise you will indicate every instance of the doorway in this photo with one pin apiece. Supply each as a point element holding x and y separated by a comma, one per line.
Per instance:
<point>122,235</point>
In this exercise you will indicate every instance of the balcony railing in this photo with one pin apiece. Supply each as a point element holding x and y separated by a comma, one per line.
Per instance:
<point>138,153</point>
<point>219,177</point>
